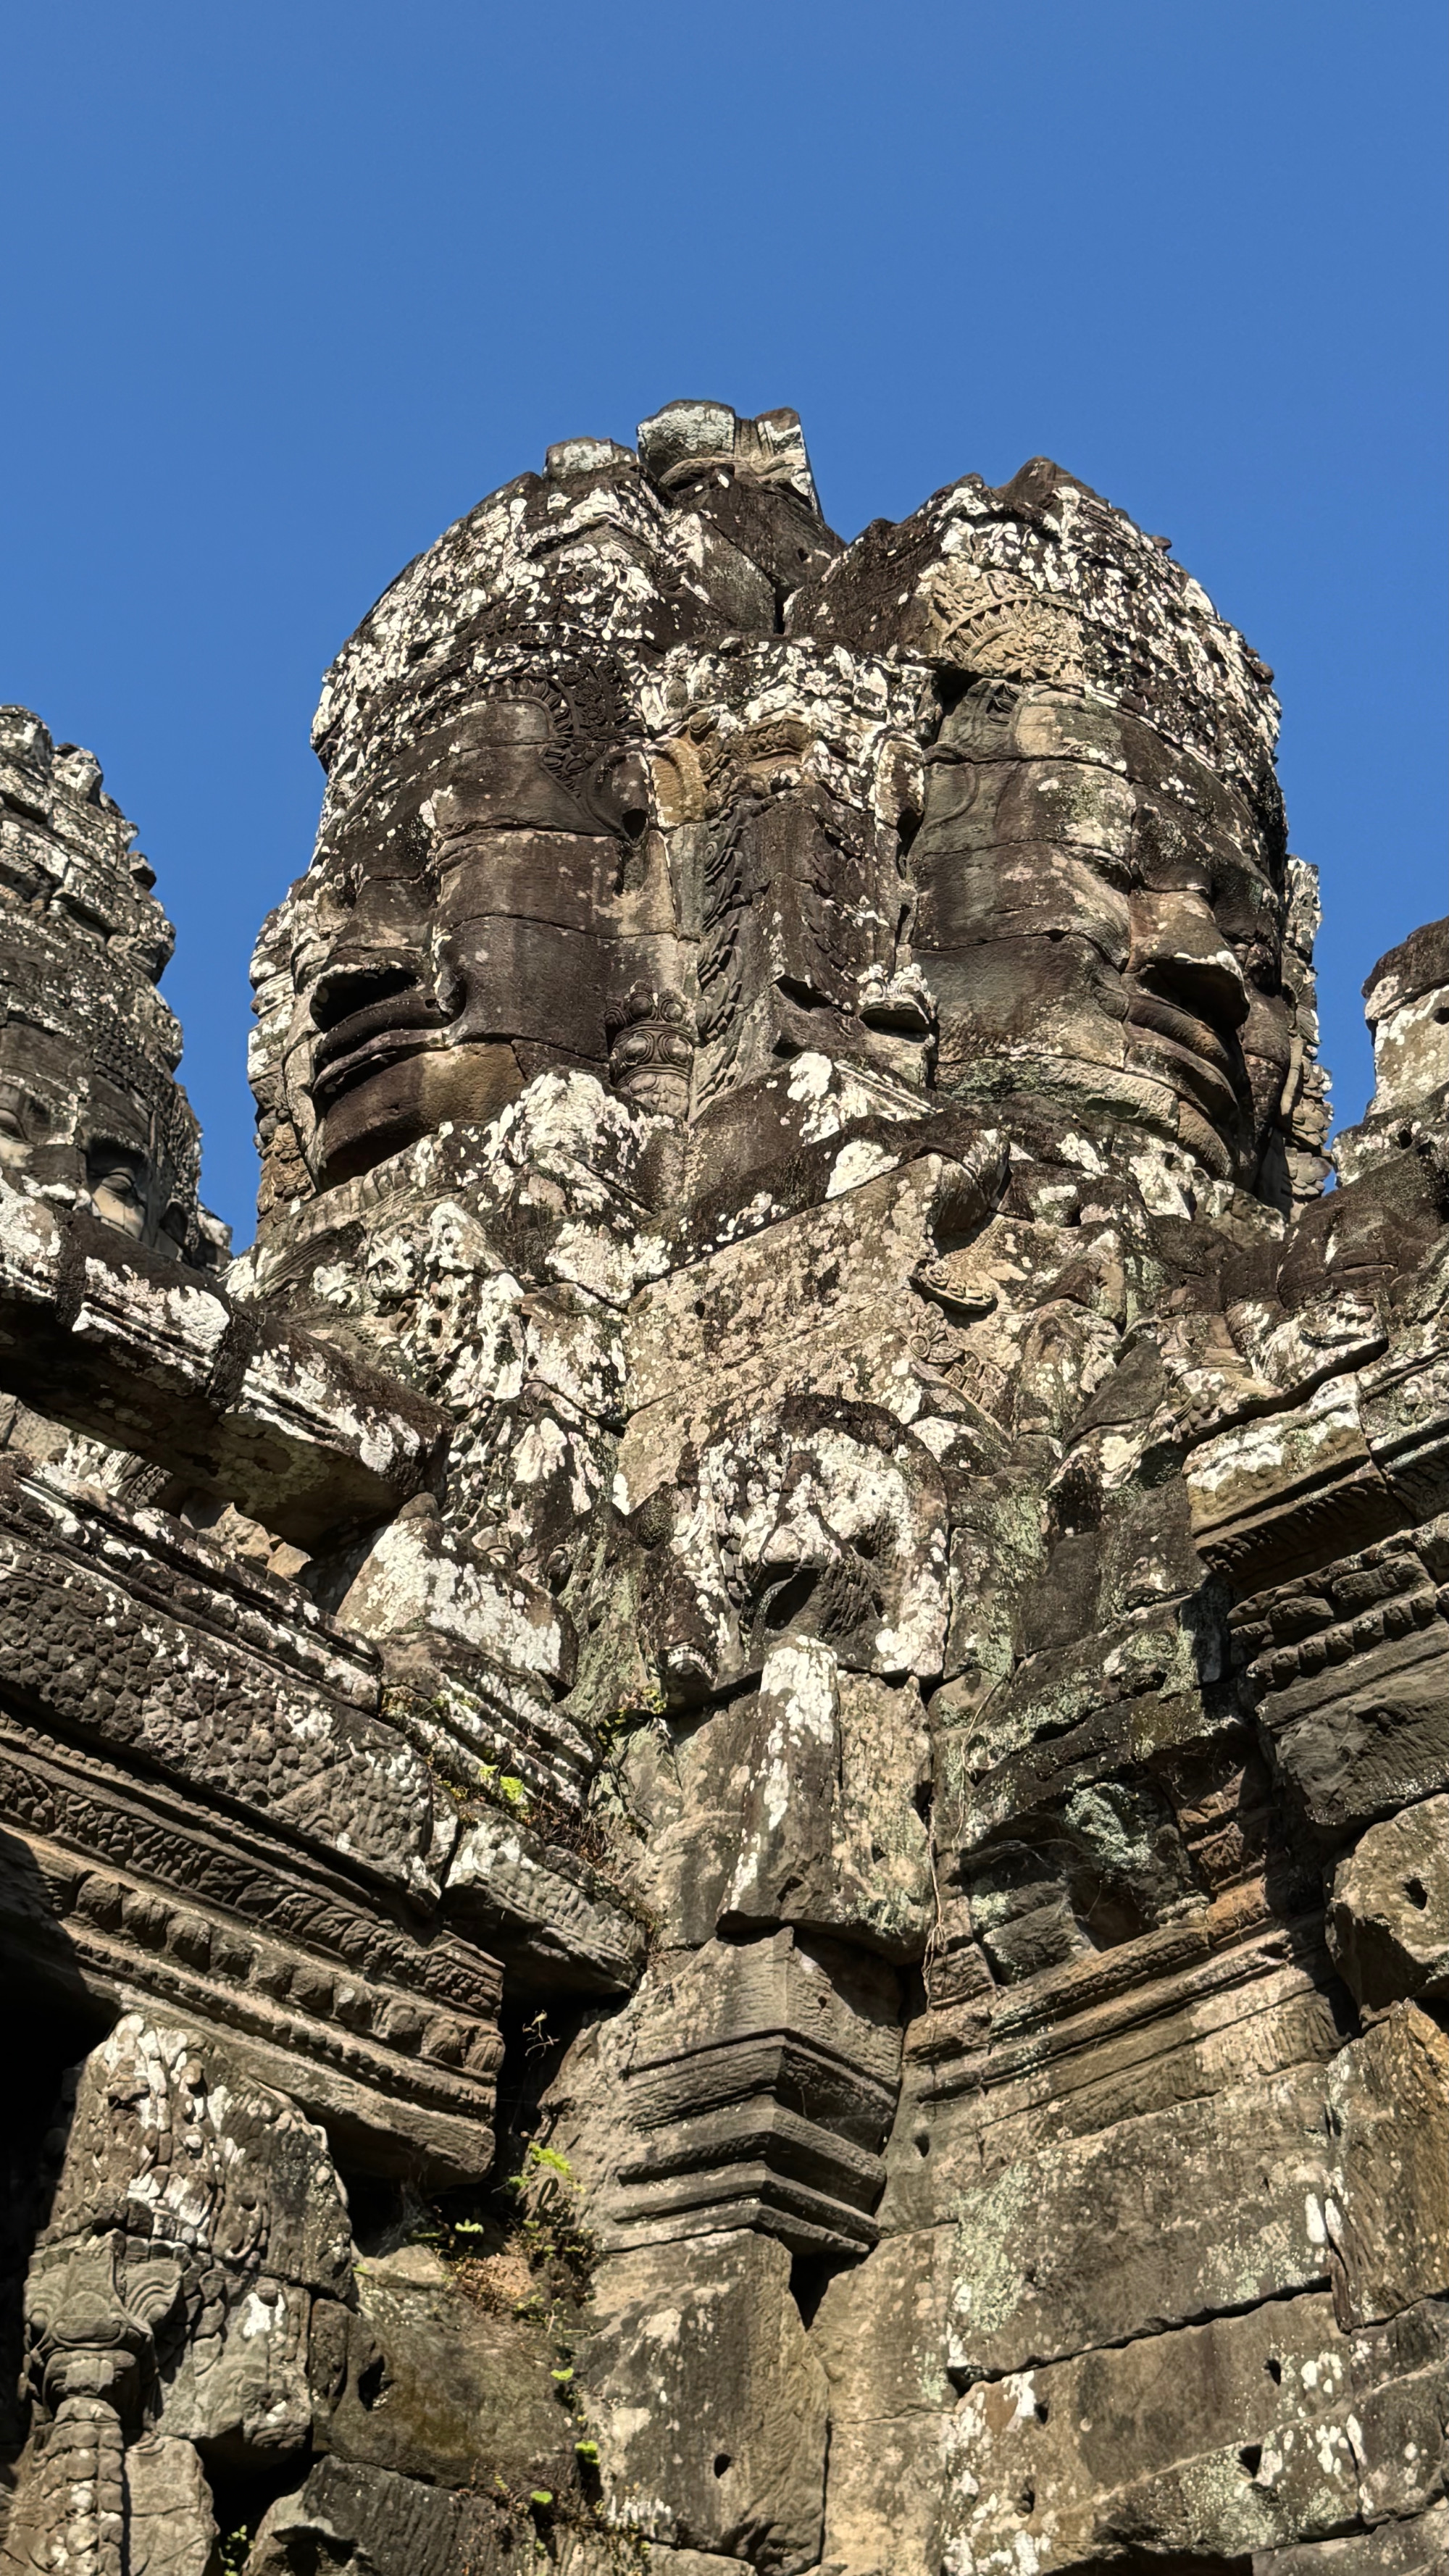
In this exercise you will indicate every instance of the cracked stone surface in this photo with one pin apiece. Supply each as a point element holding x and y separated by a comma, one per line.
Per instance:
<point>724,1793</point>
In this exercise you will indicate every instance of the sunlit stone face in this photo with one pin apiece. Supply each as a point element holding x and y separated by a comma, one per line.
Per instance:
<point>23,1125</point>
<point>631,775</point>
<point>1092,907</point>
<point>71,1127</point>
<point>481,922</point>
<point>1095,903</point>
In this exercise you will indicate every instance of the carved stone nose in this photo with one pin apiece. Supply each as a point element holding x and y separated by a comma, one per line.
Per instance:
<point>1179,951</point>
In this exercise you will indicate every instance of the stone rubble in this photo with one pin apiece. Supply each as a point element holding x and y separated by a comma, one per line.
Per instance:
<point>725,1793</point>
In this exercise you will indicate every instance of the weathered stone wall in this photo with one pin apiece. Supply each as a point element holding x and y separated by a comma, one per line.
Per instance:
<point>801,1584</point>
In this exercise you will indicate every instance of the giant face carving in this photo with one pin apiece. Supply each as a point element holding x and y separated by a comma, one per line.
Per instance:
<point>90,1112</point>
<point>1096,906</point>
<point>1092,908</point>
<point>78,1129</point>
<point>484,911</point>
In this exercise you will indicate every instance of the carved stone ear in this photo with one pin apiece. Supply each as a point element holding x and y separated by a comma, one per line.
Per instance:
<point>152,2291</point>
<point>619,793</point>
<point>969,1188</point>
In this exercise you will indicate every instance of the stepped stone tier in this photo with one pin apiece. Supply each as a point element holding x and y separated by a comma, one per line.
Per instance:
<point>726,1793</point>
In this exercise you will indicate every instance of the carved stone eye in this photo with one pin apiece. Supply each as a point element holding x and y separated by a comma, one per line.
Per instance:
<point>21,1118</point>
<point>115,1179</point>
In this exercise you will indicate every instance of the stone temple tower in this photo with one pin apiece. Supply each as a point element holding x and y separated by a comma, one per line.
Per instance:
<point>726,1792</point>
<point>92,1118</point>
<point>88,1049</point>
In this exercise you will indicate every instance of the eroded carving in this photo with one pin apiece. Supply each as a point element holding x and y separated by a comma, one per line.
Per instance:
<point>806,1549</point>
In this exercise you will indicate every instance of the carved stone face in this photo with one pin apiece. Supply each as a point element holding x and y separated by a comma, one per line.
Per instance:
<point>484,913</point>
<point>23,1125</point>
<point>64,1123</point>
<point>1092,900</point>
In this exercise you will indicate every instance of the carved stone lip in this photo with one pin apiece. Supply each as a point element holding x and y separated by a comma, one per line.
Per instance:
<point>1190,1048</point>
<point>362,1060</point>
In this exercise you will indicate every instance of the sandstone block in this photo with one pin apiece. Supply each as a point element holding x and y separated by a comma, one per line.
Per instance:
<point>709,2404</point>
<point>1210,2204</point>
<point>1389,1911</point>
<point>1388,2208</point>
<point>439,2388</point>
<point>1216,2440</point>
<point>377,2523</point>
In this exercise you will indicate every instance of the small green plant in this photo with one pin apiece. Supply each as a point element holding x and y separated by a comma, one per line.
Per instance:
<point>551,2235</point>
<point>543,2177</point>
<point>645,1699</point>
<point>234,2551</point>
<point>588,2452</point>
<point>504,1788</point>
<point>442,1779</point>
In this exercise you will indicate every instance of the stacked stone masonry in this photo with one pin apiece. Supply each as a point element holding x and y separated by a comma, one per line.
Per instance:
<point>726,1793</point>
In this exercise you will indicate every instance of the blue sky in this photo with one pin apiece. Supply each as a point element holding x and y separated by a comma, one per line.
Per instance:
<point>291,286</point>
